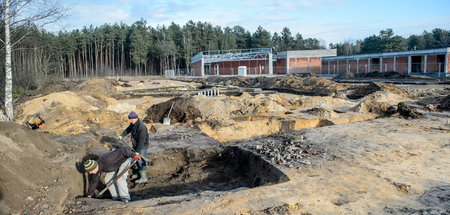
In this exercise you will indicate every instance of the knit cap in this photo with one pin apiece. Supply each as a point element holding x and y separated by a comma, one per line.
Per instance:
<point>90,165</point>
<point>132,115</point>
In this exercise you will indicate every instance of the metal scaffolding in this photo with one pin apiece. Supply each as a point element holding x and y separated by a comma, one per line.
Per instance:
<point>233,55</point>
<point>208,58</point>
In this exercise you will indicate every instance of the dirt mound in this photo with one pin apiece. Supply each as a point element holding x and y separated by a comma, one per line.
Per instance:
<point>29,172</point>
<point>64,112</point>
<point>322,113</point>
<point>441,102</point>
<point>88,108</point>
<point>72,113</point>
<point>314,86</point>
<point>388,75</point>
<point>322,102</point>
<point>379,102</point>
<point>358,92</point>
<point>58,86</point>
<point>188,109</point>
<point>432,92</point>
<point>99,86</point>
<point>445,104</point>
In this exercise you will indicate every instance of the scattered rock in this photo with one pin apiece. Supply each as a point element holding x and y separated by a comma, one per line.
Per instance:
<point>305,162</point>
<point>402,187</point>
<point>287,152</point>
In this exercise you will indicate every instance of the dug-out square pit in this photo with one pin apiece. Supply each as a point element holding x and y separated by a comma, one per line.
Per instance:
<point>184,171</point>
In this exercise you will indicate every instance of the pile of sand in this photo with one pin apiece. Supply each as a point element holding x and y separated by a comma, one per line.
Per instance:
<point>64,112</point>
<point>29,171</point>
<point>73,113</point>
<point>379,102</point>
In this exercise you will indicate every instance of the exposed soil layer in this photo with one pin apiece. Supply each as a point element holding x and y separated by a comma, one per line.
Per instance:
<point>34,176</point>
<point>380,166</point>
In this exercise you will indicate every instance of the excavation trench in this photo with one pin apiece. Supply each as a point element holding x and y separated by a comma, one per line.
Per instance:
<point>193,170</point>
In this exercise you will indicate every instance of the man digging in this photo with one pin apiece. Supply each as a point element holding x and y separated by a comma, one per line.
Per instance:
<point>139,142</point>
<point>112,163</point>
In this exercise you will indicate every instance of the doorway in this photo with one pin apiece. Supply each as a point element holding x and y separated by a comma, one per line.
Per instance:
<point>416,64</point>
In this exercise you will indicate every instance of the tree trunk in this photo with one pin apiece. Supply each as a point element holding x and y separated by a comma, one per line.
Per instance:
<point>8,70</point>
<point>122,59</point>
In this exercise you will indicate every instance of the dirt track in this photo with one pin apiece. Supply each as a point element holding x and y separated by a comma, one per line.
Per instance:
<point>346,161</point>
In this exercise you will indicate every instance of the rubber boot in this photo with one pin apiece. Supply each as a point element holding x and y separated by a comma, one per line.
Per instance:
<point>143,177</point>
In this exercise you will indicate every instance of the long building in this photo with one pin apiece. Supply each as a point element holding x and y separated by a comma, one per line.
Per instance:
<point>258,61</point>
<point>433,62</point>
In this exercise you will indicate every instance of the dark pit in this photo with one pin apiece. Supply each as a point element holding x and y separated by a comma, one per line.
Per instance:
<point>183,171</point>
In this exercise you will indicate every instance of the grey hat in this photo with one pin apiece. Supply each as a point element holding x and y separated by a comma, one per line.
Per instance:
<point>90,165</point>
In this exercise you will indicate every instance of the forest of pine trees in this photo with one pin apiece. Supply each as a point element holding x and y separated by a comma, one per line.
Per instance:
<point>139,49</point>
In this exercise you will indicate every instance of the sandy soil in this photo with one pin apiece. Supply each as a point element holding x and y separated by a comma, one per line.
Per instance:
<point>383,166</point>
<point>355,159</point>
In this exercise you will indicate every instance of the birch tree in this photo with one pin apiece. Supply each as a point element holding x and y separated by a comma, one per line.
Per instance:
<point>16,13</point>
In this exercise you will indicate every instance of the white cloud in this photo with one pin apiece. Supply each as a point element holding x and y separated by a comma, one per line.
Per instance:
<point>98,14</point>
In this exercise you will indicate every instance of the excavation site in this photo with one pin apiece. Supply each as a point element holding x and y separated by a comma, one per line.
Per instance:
<point>233,145</point>
<point>192,171</point>
<point>170,107</point>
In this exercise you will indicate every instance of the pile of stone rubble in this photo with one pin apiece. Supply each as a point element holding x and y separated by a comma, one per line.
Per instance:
<point>286,152</point>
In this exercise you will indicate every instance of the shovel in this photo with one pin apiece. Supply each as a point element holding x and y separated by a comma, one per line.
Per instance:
<point>117,178</point>
<point>166,121</point>
<point>131,148</point>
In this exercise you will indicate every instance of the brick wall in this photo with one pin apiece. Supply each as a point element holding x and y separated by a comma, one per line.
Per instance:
<point>231,67</point>
<point>279,67</point>
<point>402,64</point>
<point>352,66</point>
<point>363,66</point>
<point>432,64</point>
<point>314,63</point>
<point>388,64</point>
<point>448,63</point>
<point>298,65</point>
<point>333,67</point>
<point>196,68</point>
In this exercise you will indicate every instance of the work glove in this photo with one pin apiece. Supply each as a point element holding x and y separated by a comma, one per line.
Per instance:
<point>119,137</point>
<point>137,157</point>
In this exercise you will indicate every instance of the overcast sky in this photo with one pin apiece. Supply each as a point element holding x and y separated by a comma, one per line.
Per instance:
<point>329,20</point>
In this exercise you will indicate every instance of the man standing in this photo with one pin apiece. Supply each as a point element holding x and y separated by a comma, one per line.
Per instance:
<point>139,141</point>
<point>112,163</point>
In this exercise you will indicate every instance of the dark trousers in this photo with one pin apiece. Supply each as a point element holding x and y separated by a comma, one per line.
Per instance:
<point>142,165</point>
